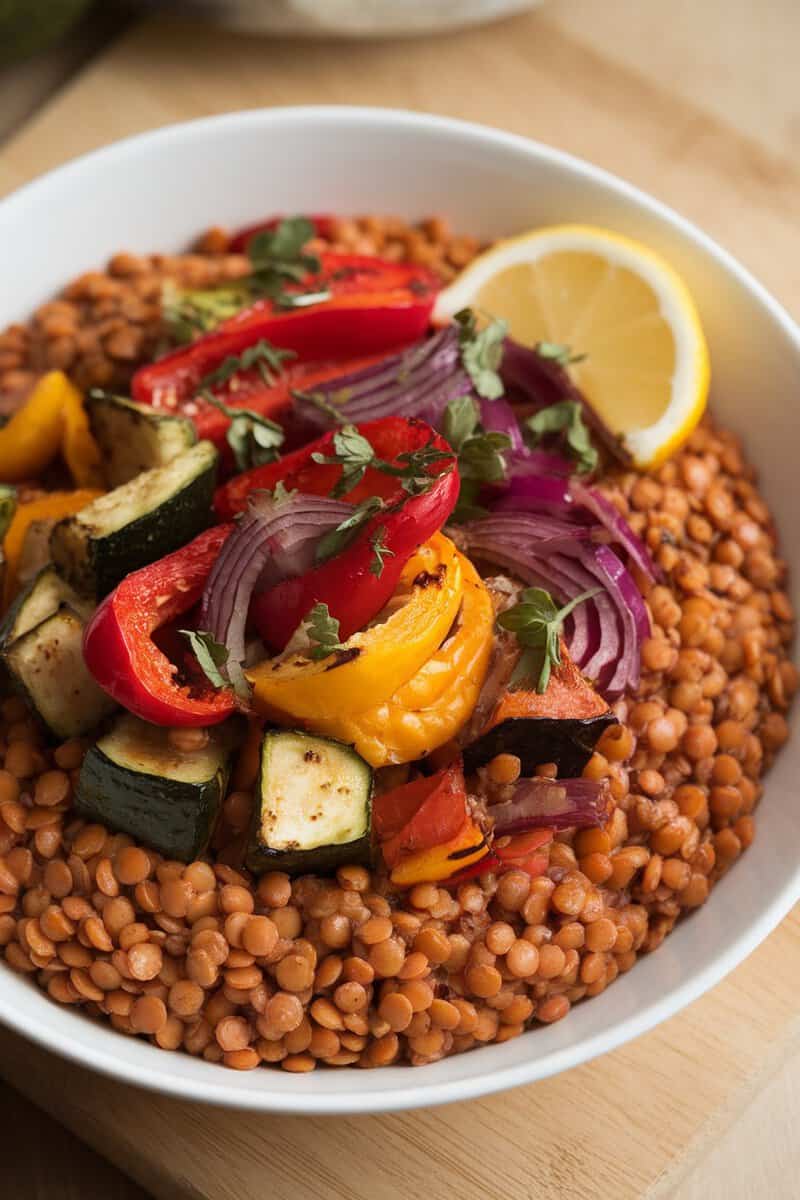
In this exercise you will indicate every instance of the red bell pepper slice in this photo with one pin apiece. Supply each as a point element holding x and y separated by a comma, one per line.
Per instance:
<point>120,651</point>
<point>347,582</point>
<point>323,227</point>
<point>420,815</point>
<point>247,389</point>
<point>374,306</point>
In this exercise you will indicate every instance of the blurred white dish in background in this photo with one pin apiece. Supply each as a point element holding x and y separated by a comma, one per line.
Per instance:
<point>352,18</point>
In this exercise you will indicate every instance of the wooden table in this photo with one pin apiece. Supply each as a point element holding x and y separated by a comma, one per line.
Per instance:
<point>698,103</point>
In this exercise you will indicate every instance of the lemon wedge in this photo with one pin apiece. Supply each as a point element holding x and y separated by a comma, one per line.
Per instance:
<point>640,356</point>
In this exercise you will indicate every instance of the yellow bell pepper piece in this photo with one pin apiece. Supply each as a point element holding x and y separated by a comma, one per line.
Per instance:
<point>52,419</point>
<point>434,704</point>
<point>50,507</point>
<point>440,862</point>
<point>376,661</point>
<point>80,450</point>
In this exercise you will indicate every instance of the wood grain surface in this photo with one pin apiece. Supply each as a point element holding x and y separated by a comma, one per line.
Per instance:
<point>699,104</point>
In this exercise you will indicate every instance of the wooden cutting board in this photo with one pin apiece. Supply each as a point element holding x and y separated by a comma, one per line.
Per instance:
<point>698,104</point>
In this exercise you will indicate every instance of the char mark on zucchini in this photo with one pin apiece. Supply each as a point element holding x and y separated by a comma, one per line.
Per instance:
<point>141,521</point>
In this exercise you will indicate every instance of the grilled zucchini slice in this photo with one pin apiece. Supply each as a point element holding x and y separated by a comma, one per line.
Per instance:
<point>133,780</point>
<point>137,523</point>
<point>134,437</point>
<point>313,805</point>
<point>46,665</point>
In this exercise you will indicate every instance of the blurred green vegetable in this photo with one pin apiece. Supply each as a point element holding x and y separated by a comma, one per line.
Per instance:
<point>28,26</point>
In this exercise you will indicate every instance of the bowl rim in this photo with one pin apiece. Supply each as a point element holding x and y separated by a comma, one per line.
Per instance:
<point>417,1092</point>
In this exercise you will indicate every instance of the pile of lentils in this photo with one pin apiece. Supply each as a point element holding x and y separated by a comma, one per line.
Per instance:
<point>298,973</point>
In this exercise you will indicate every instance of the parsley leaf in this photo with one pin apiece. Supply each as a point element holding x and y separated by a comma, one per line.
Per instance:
<point>280,494</point>
<point>322,402</point>
<point>480,454</point>
<point>210,655</point>
<point>254,439</point>
<point>482,352</point>
<point>566,417</point>
<point>277,258</point>
<point>354,453</point>
<point>339,539</point>
<point>323,630</point>
<point>380,550</point>
<point>561,354</point>
<point>537,624</point>
<point>267,358</point>
<point>459,421</point>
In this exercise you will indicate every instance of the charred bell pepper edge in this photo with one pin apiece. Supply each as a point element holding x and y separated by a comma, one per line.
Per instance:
<point>375,662</point>
<point>119,649</point>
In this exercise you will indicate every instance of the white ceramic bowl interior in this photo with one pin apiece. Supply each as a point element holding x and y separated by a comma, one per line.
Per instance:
<point>154,192</point>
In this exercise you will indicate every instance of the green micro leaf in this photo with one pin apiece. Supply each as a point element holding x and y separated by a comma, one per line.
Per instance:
<point>380,550</point>
<point>482,352</point>
<point>323,631</point>
<point>558,353</point>
<point>210,655</point>
<point>254,440</point>
<point>565,417</point>
<point>537,623</point>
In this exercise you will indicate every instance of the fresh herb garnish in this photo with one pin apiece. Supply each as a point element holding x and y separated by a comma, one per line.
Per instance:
<point>354,454</point>
<point>480,454</point>
<point>280,494</point>
<point>323,631</point>
<point>537,624</point>
<point>380,550</point>
<point>566,417</point>
<point>322,402</point>
<point>482,352</point>
<point>210,655</point>
<point>254,439</point>
<point>339,539</point>
<point>558,353</point>
<point>268,359</point>
<point>278,258</point>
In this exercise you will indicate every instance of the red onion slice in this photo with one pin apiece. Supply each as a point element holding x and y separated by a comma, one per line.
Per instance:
<point>604,634</point>
<point>277,537</point>
<point>552,803</point>
<point>562,496</point>
<point>531,379</point>
<point>418,382</point>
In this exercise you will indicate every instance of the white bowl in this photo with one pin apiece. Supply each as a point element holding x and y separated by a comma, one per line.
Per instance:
<point>154,192</point>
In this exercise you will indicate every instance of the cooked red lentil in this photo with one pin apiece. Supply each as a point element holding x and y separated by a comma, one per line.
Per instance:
<point>348,970</point>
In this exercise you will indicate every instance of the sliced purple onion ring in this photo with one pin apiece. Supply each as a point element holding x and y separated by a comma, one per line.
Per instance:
<point>273,541</point>
<point>552,803</point>
<point>419,382</point>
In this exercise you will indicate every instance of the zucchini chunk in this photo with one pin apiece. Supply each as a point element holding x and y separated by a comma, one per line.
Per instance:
<point>46,664</point>
<point>134,781</point>
<point>134,437</point>
<point>137,523</point>
<point>313,802</point>
<point>43,596</point>
<point>8,506</point>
